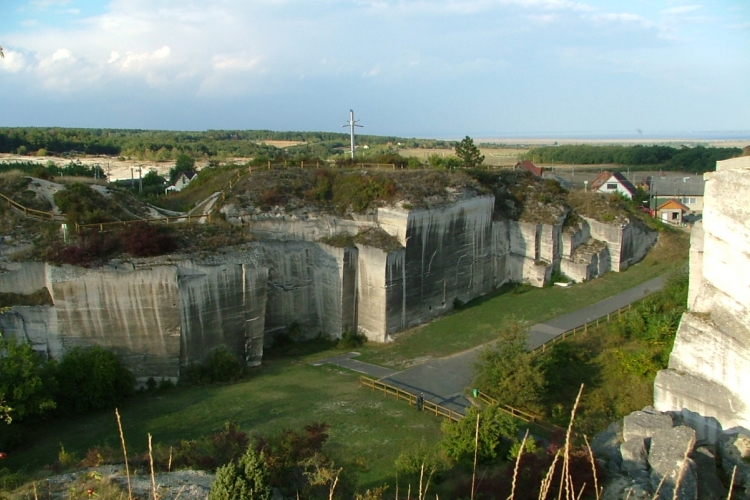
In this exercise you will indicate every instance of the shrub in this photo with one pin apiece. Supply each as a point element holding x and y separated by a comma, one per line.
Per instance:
<point>92,379</point>
<point>221,366</point>
<point>496,431</point>
<point>207,453</point>
<point>26,381</point>
<point>288,450</point>
<point>92,247</point>
<point>246,479</point>
<point>147,240</point>
<point>351,340</point>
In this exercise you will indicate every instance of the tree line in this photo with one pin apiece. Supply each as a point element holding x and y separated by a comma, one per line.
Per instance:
<point>696,159</point>
<point>168,145</point>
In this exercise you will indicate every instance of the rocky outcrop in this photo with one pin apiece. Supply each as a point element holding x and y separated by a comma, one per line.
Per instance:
<point>709,367</point>
<point>657,453</point>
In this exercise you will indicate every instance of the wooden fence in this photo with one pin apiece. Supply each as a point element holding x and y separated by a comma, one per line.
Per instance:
<point>427,406</point>
<point>583,329</point>
<point>31,212</point>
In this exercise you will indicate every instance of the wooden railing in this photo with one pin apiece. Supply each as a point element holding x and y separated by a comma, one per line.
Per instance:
<point>31,212</point>
<point>583,328</point>
<point>427,406</point>
<point>513,412</point>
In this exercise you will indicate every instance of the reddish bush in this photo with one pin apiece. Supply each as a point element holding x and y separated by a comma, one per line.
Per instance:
<point>147,240</point>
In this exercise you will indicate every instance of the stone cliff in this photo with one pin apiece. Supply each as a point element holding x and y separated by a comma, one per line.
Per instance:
<point>709,367</point>
<point>378,273</point>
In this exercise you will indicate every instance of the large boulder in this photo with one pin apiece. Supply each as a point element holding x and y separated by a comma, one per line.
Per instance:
<point>606,444</point>
<point>709,484</point>
<point>671,467</point>
<point>634,454</point>
<point>734,450</point>
<point>643,424</point>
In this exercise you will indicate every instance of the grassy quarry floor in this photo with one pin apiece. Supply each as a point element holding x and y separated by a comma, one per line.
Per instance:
<point>288,393</point>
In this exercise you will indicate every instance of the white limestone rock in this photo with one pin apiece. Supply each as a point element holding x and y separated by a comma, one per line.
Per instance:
<point>634,454</point>
<point>643,424</point>
<point>670,463</point>
<point>734,450</point>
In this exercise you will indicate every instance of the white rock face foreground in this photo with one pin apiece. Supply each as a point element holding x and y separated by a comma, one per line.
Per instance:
<point>709,368</point>
<point>650,451</point>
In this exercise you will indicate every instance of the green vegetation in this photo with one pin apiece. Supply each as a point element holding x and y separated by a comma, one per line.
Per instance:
<point>497,432</point>
<point>626,353</point>
<point>468,153</point>
<point>479,319</point>
<point>508,373</point>
<point>221,366</point>
<point>698,159</point>
<point>246,479</point>
<point>160,145</point>
<point>367,432</point>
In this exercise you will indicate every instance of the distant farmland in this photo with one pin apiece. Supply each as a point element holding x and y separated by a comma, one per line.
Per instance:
<point>500,157</point>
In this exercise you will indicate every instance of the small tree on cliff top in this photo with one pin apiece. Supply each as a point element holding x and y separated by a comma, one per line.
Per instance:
<point>469,153</point>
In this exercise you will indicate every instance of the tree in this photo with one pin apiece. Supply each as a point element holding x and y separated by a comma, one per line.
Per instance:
<point>509,373</point>
<point>246,479</point>
<point>469,153</point>
<point>496,428</point>
<point>26,382</point>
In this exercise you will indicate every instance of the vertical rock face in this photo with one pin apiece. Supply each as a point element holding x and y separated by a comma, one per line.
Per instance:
<point>23,277</point>
<point>156,319</point>
<point>709,367</point>
<point>221,305</point>
<point>134,313</point>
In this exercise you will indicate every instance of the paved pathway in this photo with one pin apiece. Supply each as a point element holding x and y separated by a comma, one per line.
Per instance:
<point>443,380</point>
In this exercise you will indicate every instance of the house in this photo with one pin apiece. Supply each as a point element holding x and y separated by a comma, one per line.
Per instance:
<point>183,179</point>
<point>599,180</point>
<point>529,167</point>
<point>616,183</point>
<point>687,189</point>
<point>672,212</point>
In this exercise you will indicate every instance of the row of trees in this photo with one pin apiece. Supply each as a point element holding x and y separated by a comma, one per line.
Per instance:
<point>697,159</point>
<point>158,145</point>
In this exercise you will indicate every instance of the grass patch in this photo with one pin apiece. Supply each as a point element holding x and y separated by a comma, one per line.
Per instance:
<point>478,320</point>
<point>366,429</point>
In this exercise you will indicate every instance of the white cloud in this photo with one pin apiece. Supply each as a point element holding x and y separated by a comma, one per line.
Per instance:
<point>13,61</point>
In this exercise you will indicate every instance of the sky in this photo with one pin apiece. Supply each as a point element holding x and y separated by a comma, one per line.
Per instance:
<point>411,68</point>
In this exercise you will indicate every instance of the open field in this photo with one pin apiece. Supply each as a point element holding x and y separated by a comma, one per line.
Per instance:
<point>500,157</point>
<point>284,394</point>
<point>476,323</point>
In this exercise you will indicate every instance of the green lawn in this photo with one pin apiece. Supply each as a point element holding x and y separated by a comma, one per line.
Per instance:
<point>285,393</point>
<point>476,323</point>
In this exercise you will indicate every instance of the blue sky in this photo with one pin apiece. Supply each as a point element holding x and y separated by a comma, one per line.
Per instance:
<point>424,68</point>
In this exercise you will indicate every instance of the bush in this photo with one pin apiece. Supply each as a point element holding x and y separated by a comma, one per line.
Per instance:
<point>246,479</point>
<point>92,379</point>
<point>26,381</point>
<point>205,453</point>
<point>351,340</point>
<point>221,366</point>
<point>497,431</point>
<point>142,239</point>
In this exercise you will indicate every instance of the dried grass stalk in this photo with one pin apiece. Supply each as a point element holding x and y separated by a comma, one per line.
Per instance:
<point>124,452</point>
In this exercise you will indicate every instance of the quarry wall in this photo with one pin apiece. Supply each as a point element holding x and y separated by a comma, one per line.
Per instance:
<point>160,315</point>
<point>709,367</point>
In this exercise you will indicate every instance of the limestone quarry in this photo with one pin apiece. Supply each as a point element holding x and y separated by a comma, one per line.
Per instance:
<point>325,260</point>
